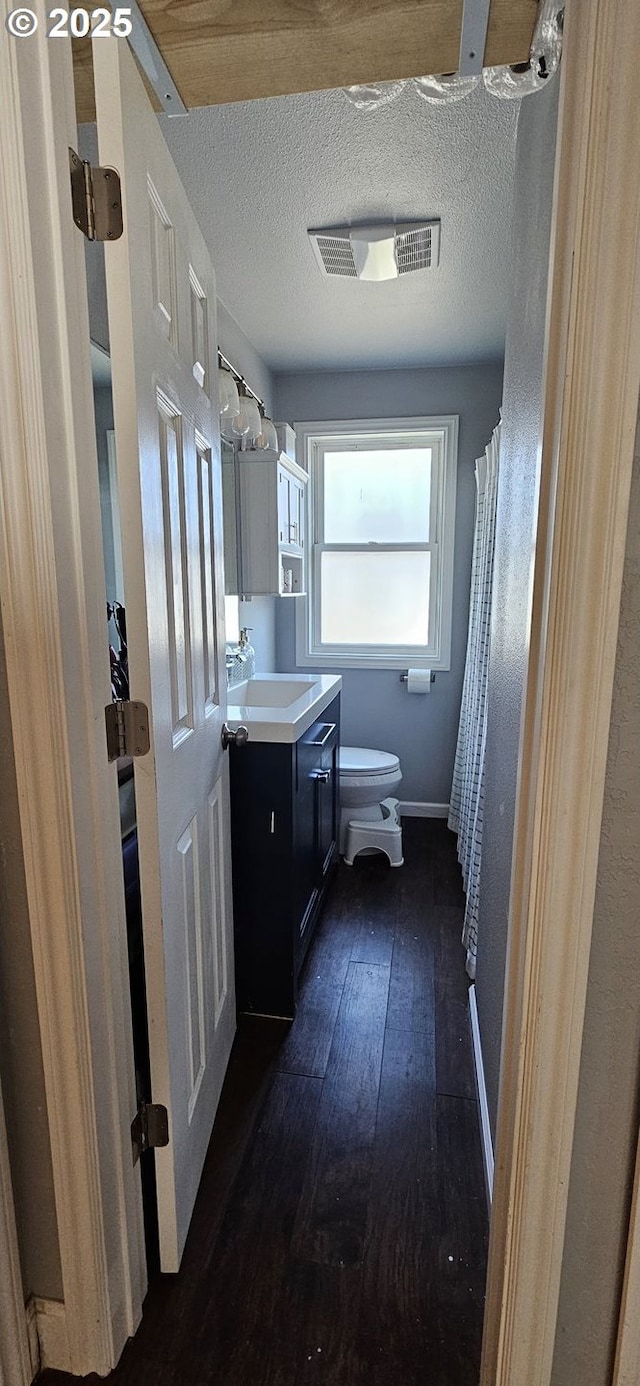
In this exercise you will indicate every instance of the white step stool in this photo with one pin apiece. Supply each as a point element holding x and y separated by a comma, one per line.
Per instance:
<point>380,834</point>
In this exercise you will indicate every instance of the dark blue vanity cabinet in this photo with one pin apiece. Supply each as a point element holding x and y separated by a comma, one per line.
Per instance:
<point>284,830</point>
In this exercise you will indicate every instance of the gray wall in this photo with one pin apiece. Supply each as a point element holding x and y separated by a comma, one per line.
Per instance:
<point>517,509</point>
<point>377,711</point>
<point>238,349</point>
<point>103,406</point>
<point>607,1120</point>
<point>21,1068</point>
<point>258,612</point>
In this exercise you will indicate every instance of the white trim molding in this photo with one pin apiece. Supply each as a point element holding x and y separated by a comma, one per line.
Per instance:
<point>16,1367</point>
<point>483,1105</point>
<point>591,386</point>
<point>414,808</point>
<point>316,440</point>
<point>48,1336</point>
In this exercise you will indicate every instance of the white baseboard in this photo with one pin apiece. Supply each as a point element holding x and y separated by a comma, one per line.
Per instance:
<point>408,808</point>
<point>47,1332</point>
<point>485,1126</point>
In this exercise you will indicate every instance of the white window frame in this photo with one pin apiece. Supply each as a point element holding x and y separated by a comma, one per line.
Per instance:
<point>439,433</point>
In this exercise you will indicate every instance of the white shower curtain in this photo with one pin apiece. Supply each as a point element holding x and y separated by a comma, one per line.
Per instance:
<point>467,790</point>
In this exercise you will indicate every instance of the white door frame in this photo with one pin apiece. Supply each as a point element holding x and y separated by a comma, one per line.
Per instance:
<point>591,400</point>
<point>53,607</point>
<point>591,387</point>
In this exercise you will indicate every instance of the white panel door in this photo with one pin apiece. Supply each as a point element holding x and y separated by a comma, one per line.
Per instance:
<point>162,315</point>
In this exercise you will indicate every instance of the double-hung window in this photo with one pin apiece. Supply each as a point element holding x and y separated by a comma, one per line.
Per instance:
<point>380,555</point>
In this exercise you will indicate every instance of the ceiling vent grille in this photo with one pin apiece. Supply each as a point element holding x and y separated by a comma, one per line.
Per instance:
<point>377,252</point>
<point>336,255</point>
<point>414,249</point>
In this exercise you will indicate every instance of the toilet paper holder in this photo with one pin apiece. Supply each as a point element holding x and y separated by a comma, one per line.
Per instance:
<point>404,677</point>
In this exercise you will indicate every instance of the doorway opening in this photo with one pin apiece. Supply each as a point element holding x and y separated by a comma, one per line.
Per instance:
<point>277,624</point>
<point>550,880</point>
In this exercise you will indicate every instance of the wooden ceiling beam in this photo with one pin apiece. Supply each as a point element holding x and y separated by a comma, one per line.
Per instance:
<point>237,50</point>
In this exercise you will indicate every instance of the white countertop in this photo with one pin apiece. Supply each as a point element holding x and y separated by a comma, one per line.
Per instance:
<point>280,723</point>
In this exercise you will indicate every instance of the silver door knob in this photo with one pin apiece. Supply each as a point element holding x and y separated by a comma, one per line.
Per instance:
<point>322,776</point>
<point>239,737</point>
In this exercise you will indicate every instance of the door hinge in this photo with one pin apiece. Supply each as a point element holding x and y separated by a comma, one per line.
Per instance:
<point>96,199</point>
<point>149,1129</point>
<point>127,729</point>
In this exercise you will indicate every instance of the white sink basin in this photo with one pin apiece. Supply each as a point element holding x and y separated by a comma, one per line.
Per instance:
<point>263,692</point>
<point>280,707</point>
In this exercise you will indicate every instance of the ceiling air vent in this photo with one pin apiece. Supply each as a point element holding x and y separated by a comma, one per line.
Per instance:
<point>377,252</point>
<point>335,253</point>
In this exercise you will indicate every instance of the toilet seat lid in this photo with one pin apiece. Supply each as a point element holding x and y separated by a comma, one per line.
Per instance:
<point>358,760</point>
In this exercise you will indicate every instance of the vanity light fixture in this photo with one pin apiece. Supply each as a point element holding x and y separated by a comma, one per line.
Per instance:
<point>267,437</point>
<point>242,412</point>
<point>248,422</point>
<point>228,401</point>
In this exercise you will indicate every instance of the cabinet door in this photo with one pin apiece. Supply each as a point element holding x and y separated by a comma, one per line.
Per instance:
<point>290,510</point>
<point>232,577</point>
<point>305,852</point>
<point>283,505</point>
<point>326,809</point>
<point>296,512</point>
<point>316,820</point>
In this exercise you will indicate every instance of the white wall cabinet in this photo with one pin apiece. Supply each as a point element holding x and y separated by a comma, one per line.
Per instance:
<point>271,514</point>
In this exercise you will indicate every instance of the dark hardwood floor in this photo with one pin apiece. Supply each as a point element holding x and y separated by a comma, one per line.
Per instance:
<point>340,1233</point>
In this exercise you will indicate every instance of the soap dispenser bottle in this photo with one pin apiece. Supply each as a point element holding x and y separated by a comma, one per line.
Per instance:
<point>248,652</point>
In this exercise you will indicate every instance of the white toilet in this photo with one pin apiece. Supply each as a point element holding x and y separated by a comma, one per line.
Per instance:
<point>369,820</point>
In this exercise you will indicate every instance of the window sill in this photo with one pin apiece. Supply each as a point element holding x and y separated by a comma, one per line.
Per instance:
<point>374,663</point>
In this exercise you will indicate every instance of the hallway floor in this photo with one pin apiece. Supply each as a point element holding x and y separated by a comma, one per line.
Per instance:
<point>340,1233</point>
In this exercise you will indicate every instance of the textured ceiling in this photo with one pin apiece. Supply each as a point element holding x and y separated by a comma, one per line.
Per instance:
<point>259,173</point>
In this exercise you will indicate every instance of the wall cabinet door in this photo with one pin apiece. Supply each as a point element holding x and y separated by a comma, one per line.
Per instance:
<point>283,506</point>
<point>232,573</point>
<point>291,493</point>
<point>296,513</point>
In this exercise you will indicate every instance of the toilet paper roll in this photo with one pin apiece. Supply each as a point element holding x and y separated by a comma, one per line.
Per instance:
<point>419,681</point>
